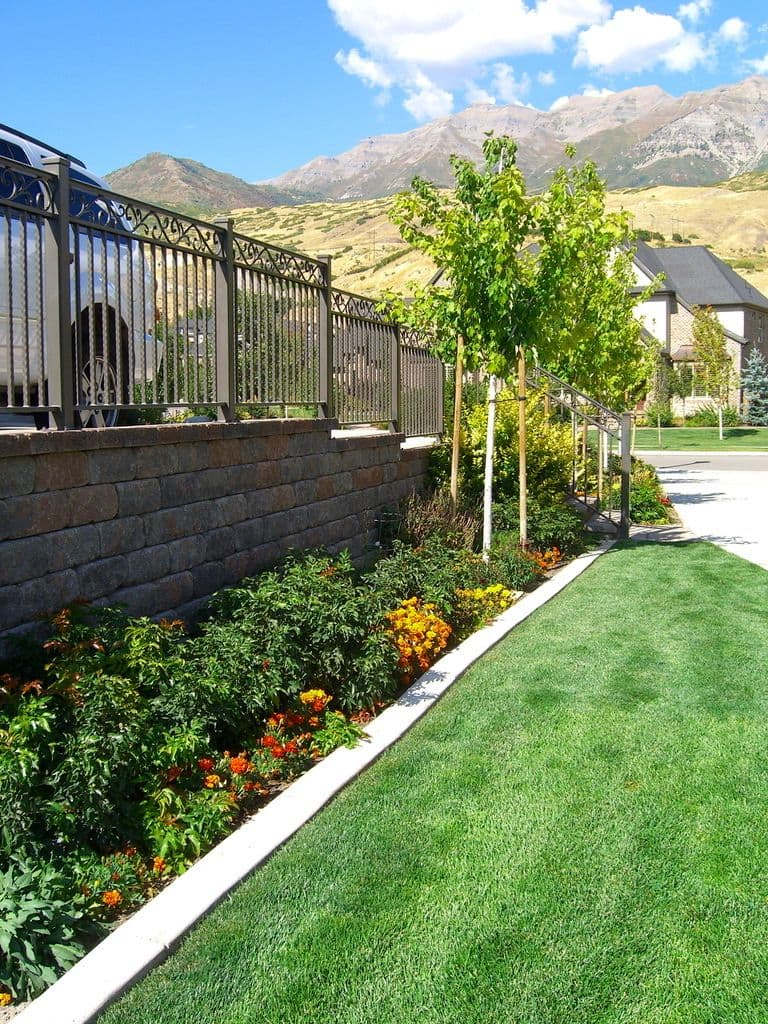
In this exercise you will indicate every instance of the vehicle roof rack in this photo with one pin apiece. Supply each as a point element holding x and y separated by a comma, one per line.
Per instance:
<point>43,145</point>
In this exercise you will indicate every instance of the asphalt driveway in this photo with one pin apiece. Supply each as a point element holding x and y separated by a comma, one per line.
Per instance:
<point>720,497</point>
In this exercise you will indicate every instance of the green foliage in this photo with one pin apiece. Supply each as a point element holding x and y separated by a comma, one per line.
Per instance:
<point>511,564</point>
<point>315,627</point>
<point>754,380</point>
<point>710,349</point>
<point>337,731</point>
<point>648,504</point>
<point>709,416</point>
<point>549,450</point>
<point>41,930</point>
<point>550,524</point>
<point>181,825</point>
<point>658,414</point>
<point>432,572</point>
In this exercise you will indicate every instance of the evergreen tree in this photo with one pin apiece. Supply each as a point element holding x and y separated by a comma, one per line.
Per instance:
<point>754,380</point>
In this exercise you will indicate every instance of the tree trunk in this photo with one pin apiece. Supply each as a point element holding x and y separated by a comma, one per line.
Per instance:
<point>488,477</point>
<point>523,463</point>
<point>720,420</point>
<point>456,444</point>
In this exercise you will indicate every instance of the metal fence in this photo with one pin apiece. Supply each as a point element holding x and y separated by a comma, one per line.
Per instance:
<point>108,303</point>
<point>600,449</point>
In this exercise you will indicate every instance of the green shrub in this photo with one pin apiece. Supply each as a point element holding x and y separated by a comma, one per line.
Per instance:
<point>310,624</point>
<point>707,416</point>
<point>431,572</point>
<point>42,932</point>
<point>658,414</point>
<point>549,451</point>
<point>511,565</point>
<point>550,524</point>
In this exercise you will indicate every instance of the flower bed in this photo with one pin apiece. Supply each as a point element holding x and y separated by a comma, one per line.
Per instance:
<point>128,748</point>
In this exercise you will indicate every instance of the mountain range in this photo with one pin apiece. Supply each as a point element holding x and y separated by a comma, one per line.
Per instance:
<point>638,137</point>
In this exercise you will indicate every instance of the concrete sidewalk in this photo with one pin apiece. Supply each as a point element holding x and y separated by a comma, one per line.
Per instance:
<point>722,498</point>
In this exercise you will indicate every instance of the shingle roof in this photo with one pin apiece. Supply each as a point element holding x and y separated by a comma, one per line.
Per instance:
<point>700,278</point>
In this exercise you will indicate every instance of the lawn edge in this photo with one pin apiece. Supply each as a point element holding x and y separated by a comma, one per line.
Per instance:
<point>151,934</point>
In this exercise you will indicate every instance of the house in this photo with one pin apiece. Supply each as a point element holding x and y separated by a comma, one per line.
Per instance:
<point>694,276</point>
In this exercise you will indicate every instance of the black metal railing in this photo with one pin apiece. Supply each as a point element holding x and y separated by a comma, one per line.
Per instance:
<point>600,450</point>
<point>109,303</point>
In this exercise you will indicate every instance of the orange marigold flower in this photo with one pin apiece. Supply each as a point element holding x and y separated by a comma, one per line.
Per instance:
<point>314,721</point>
<point>205,764</point>
<point>291,747</point>
<point>158,865</point>
<point>130,851</point>
<point>268,741</point>
<point>240,765</point>
<point>276,720</point>
<point>211,781</point>
<point>278,751</point>
<point>112,898</point>
<point>316,699</point>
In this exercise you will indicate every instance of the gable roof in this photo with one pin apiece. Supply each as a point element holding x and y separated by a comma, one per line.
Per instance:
<point>699,277</point>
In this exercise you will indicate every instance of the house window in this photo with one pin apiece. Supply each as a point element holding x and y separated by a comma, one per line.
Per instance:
<point>693,379</point>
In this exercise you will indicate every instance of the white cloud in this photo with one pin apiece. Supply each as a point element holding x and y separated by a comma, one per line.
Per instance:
<point>733,31</point>
<point>759,66</point>
<point>373,74</point>
<point>560,102</point>
<point>635,39</point>
<point>426,100</point>
<point>508,88</point>
<point>451,42</point>
<point>475,94</point>
<point>546,78</point>
<point>592,90</point>
<point>694,10</point>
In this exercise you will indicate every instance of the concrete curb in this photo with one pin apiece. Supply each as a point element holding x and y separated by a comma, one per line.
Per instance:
<point>150,935</point>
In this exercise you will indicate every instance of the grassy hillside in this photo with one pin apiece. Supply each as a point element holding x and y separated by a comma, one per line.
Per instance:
<point>370,257</point>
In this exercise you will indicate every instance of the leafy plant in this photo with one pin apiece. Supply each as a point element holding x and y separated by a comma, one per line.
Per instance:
<point>550,524</point>
<point>709,416</point>
<point>42,932</point>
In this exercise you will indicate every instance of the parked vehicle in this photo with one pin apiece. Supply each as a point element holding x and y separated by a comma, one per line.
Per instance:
<point>112,291</point>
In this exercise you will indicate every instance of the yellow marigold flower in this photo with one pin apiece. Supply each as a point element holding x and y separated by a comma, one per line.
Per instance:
<point>211,781</point>
<point>5,998</point>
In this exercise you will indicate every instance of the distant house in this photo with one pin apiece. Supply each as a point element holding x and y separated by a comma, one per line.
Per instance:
<point>694,276</point>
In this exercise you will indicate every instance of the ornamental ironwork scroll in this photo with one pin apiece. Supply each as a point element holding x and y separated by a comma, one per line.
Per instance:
<point>20,188</point>
<point>268,259</point>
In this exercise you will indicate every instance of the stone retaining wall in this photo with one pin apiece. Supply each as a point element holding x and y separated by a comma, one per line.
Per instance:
<point>158,518</point>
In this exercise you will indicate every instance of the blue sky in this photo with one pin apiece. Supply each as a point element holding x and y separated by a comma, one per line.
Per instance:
<point>256,87</point>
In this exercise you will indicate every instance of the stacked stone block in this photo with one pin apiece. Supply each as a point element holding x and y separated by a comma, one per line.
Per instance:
<point>158,518</point>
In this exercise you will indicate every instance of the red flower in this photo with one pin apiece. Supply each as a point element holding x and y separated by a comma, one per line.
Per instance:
<point>278,751</point>
<point>206,764</point>
<point>173,773</point>
<point>291,747</point>
<point>268,741</point>
<point>239,765</point>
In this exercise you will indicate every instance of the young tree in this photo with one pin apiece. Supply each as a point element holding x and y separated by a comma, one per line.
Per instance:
<point>710,350</point>
<point>754,380</point>
<point>564,300</point>
<point>585,288</point>
<point>474,235</point>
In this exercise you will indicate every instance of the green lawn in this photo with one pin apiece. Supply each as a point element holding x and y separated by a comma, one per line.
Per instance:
<point>576,833</point>
<point>737,439</point>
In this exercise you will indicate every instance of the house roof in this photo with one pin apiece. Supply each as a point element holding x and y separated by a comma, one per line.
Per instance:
<point>699,277</point>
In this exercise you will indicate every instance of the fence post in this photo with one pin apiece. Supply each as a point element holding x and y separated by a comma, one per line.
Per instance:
<point>226,298</point>
<point>395,376</point>
<point>327,403</point>
<point>626,472</point>
<point>58,302</point>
